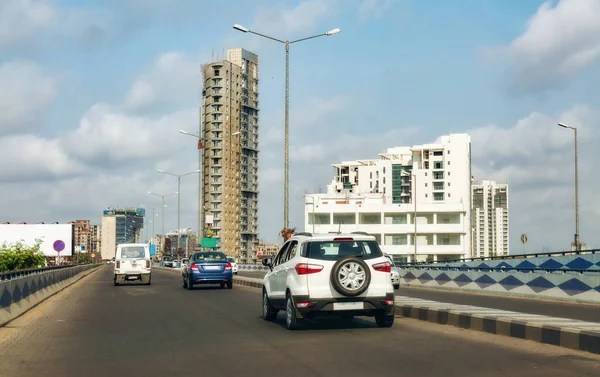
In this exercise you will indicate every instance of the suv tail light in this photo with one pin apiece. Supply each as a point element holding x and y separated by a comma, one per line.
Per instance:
<point>118,264</point>
<point>147,264</point>
<point>306,268</point>
<point>228,266</point>
<point>194,267</point>
<point>383,267</point>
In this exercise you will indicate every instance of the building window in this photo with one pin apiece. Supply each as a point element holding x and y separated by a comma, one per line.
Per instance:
<point>319,218</point>
<point>448,218</point>
<point>369,218</point>
<point>371,175</point>
<point>384,180</point>
<point>384,170</point>
<point>396,239</point>
<point>438,165</point>
<point>438,185</point>
<point>394,218</point>
<point>438,196</point>
<point>344,218</point>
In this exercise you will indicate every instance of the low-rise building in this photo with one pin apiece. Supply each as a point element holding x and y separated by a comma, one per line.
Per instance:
<point>430,183</point>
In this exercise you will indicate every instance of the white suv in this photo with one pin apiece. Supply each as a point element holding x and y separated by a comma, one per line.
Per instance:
<point>133,262</point>
<point>331,275</point>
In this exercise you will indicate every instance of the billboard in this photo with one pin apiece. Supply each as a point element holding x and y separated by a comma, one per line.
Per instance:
<point>57,239</point>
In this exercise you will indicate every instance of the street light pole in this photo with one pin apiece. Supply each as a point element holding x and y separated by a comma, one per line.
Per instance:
<point>576,236</point>
<point>179,176</point>
<point>286,164</point>
<point>200,176</point>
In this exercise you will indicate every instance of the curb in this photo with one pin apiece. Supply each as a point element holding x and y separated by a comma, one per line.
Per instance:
<point>567,337</point>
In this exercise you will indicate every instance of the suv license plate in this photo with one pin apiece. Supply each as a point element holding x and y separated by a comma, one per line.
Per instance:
<point>348,305</point>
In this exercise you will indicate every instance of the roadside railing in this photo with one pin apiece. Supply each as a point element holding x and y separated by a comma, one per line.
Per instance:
<point>16,274</point>
<point>501,257</point>
<point>505,269</point>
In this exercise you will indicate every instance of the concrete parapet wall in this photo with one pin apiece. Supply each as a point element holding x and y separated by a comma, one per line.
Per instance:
<point>17,296</point>
<point>553,285</point>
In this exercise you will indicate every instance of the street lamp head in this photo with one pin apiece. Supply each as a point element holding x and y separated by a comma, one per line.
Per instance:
<point>160,171</point>
<point>235,133</point>
<point>241,28</point>
<point>563,125</point>
<point>332,32</point>
<point>185,132</point>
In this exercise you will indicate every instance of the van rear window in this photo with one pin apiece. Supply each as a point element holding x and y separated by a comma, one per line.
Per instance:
<point>133,252</point>
<point>335,250</point>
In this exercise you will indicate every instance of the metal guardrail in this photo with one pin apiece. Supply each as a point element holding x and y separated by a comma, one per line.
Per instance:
<point>16,274</point>
<point>503,257</point>
<point>504,269</point>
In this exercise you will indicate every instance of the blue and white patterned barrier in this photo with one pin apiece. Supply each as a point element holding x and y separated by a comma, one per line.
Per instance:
<point>252,267</point>
<point>562,285</point>
<point>570,262</point>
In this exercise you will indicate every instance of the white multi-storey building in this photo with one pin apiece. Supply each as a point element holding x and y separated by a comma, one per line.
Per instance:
<point>382,197</point>
<point>489,219</point>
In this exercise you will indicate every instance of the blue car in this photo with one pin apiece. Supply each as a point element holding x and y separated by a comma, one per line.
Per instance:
<point>208,267</point>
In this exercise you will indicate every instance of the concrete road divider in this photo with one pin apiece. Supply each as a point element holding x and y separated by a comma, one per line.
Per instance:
<point>19,295</point>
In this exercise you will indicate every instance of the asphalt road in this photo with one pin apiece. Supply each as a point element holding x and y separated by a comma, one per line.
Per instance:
<point>583,312</point>
<point>95,329</point>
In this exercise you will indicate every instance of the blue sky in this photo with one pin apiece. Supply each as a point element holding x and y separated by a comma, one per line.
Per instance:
<point>92,95</point>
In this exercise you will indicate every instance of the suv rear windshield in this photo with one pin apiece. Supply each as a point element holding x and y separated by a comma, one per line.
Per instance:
<point>133,252</point>
<point>209,255</point>
<point>335,250</point>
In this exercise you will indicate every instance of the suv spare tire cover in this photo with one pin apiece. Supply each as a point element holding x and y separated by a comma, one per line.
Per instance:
<point>353,264</point>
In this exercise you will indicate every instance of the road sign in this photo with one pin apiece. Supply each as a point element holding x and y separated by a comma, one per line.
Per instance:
<point>93,255</point>
<point>59,245</point>
<point>523,238</point>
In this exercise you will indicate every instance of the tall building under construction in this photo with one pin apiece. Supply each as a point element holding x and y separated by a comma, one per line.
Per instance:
<point>230,163</point>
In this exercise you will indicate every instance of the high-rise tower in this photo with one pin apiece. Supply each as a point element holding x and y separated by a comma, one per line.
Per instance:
<point>230,162</point>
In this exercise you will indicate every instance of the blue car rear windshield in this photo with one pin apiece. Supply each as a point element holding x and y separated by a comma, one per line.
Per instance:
<point>209,255</point>
<point>335,250</point>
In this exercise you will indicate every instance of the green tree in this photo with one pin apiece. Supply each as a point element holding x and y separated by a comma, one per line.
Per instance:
<point>18,256</point>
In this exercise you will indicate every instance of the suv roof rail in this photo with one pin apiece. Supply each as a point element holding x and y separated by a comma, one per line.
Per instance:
<point>363,233</point>
<point>303,234</point>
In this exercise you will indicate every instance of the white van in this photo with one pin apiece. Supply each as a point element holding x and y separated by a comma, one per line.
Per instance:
<point>132,262</point>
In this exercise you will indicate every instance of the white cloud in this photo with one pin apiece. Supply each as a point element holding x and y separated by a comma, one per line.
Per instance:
<point>25,90</point>
<point>20,20</point>
<point>106,133</point>
<point>535,157</point>
<point>307,153</point>
<point>558,43</point>
<point>32,158</point>
<point>369,9</point>
<point>173,78</point>
<point>288,22</point>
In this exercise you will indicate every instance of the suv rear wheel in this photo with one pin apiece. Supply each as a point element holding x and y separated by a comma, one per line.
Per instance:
<point>269,313</point>
<point>291,319</point>
<point>384,320</point>
<point>350,276</point>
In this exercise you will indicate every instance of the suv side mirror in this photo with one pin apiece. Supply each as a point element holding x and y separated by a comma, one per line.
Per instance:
<point>267,262</point>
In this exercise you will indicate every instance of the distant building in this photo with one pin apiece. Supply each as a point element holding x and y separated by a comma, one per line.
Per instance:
<point>120,225</point>
<point>266,250</point>
<point>381,197</point>
<point>489,219</point>
<point>230,130</point>
<point>96,239</point>
<point>82,236</point>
